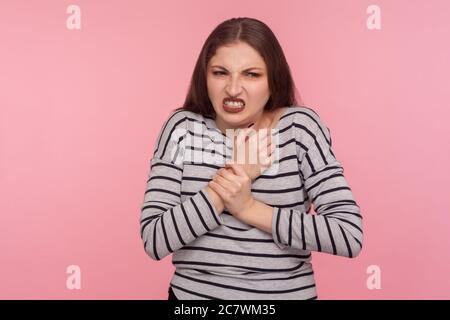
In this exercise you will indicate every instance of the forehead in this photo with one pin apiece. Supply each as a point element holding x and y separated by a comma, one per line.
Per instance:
<point>237,56</point>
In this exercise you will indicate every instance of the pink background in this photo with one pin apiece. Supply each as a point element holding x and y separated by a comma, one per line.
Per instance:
<point>81,109</point>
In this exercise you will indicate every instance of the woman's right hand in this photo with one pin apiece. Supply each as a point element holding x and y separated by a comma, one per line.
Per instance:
<point>253,150</point>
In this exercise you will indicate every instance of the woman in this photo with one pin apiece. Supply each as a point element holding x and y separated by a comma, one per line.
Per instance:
<point>241,229</point>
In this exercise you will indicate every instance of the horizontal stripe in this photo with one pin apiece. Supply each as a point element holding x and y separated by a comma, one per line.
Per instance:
<point>267,255</point>
<point>217,255</point>
<point>220,265</point>
<point>209,234</point>
<point>244,289</point>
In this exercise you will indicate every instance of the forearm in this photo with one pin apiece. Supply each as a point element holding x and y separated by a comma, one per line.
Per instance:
<point>216,199</point>
<point>166,226</point>
<point>259,215</point>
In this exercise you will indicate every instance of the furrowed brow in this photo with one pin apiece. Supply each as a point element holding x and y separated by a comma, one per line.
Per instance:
<point>248,69</point>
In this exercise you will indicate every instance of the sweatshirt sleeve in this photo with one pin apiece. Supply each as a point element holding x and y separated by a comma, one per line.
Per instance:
<point>166,223</point>
<point>336,228</point>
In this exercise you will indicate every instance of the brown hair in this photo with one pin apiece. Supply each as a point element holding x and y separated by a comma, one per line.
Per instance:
<point>259,36</point>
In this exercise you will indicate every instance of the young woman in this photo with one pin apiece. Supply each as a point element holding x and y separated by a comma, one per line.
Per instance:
<point>237,228</point>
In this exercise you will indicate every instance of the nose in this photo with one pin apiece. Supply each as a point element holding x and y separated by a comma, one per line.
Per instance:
<point>234,87</point>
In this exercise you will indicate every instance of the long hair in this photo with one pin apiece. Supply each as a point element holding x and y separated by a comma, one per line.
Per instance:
<point>259,36</point>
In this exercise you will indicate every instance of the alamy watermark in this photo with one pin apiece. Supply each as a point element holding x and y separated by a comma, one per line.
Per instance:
<point>73,281</point>
<point>212,147</point>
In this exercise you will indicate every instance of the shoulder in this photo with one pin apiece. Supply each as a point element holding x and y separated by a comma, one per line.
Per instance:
<point>179,121</point>
<point>180,118</point>
<point>175,126</point>
<point>306,117</point>
<point>170,132</point>
<point>176,118</point>
<point>307,123</point>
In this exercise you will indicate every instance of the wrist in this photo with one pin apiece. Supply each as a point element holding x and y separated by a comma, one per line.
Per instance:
<point>216,200</point>
<point>248,208</point>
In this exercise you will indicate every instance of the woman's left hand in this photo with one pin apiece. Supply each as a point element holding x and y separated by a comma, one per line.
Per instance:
<point>234,187</point>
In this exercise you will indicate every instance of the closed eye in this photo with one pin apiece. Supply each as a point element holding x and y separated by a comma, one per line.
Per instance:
<point>255,75</point>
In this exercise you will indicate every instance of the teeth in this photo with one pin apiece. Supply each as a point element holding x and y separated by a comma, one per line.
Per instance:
<point>234,104</point>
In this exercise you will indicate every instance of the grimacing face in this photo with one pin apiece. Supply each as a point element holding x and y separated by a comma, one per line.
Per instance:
<point>238,71</point>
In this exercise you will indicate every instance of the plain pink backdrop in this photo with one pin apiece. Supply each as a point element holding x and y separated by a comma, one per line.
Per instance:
<point>80,111</point>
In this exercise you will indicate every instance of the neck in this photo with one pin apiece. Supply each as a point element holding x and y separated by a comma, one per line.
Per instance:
<point>261,120</point>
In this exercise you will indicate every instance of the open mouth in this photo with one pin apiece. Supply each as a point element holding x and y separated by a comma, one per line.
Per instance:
<point>233,105</point>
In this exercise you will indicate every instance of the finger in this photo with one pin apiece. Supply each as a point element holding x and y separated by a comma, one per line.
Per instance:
<point>274,146</point>
<point>228,185</point>
<point>271,148</point>
<point>266,147</point>
<point>265,162</point>
<point>270,159</point>
<point>227,173</point>
<point>239,149</point>
<point>265,156</point>
<point>223,193</point>
<point>263,159</point>
<point>238,170</point>
<point>227,165</point>
<point>262,133</point>
<point>264,143</point>
<point>243,134</point>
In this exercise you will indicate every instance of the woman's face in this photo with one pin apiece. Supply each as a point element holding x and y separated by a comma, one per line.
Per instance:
<point>237,71</point>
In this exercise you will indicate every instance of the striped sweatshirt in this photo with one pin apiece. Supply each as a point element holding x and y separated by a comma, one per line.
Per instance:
<point>217,256</point>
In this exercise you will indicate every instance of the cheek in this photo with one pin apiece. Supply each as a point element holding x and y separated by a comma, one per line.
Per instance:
<point>259,93</point>
<point>214,88</point>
